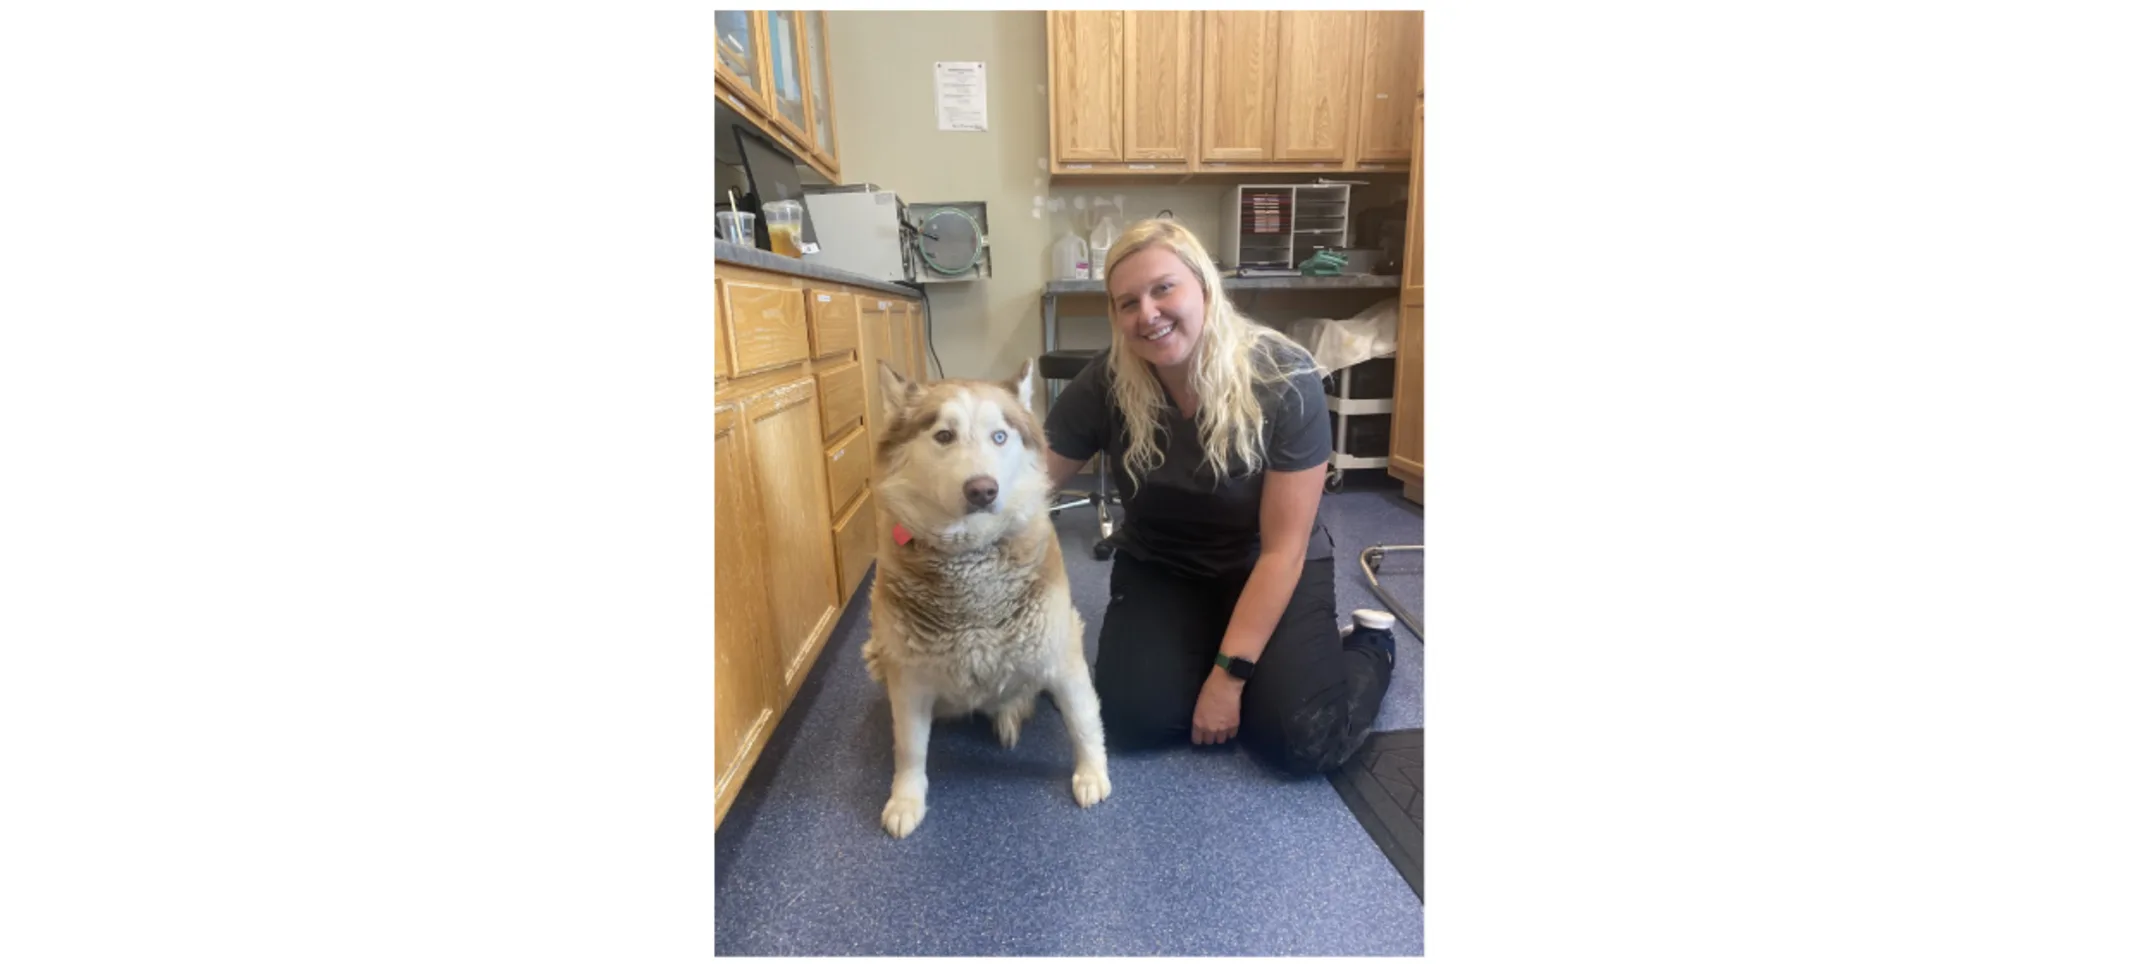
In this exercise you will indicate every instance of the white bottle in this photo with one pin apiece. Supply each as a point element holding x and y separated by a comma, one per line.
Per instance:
<point>1103,238</point>
<point>1073,261</point>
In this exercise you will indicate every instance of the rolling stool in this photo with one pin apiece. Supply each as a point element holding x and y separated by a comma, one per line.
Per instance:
<point>1061,365</point>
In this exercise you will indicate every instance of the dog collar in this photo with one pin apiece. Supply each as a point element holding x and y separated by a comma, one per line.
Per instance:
<point>900,534</point>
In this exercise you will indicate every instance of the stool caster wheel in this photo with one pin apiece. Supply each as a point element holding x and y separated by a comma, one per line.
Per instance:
<point>1103,552</point>
<point>1334,481</point>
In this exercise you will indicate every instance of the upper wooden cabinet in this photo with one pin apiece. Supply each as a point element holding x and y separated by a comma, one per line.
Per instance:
<point>1240,78</point>
<point>1390,63</point>
<point>1159,85</point>
<point>1085,64</point>
<point>1230,91</point>
<point>1317,65</point>
<point>740,53</point>
<point>774,69</point>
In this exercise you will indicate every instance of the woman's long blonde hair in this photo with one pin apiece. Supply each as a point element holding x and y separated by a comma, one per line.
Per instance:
<point>1234,357</point>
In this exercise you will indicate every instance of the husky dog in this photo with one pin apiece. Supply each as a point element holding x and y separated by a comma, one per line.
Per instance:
<point>971,607</point>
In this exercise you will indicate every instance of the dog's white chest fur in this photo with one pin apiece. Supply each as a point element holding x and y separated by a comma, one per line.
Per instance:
<point>976,624</point>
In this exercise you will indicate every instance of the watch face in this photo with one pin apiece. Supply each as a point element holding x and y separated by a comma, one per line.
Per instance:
<point>1239,667</point>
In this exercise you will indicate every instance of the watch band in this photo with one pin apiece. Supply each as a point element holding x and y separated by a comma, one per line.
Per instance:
<point>1239,667</point>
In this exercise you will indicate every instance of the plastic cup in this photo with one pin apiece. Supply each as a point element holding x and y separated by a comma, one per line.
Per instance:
<point>737,227</point>
<point>783,222</point>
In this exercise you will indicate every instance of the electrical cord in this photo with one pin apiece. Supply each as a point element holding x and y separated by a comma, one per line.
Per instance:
<point>928,329</point>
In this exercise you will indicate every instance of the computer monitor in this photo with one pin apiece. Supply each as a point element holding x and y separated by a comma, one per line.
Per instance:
<point>772,178</point>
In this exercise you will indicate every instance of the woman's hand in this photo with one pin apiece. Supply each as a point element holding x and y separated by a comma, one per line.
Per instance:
<point>1218,709</point>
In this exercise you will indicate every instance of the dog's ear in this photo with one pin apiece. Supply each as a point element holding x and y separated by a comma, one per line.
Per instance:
<point>1021,385</point>
<point>896,391</point>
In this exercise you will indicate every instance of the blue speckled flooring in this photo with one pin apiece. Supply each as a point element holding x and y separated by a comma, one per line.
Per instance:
<point>1199,851</point>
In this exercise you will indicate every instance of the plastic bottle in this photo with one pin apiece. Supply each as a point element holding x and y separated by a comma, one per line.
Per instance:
<point>1073,261</point>
<point>1103,237</point>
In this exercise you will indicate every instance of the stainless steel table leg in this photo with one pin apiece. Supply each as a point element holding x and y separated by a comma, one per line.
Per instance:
<point>1371,560</point>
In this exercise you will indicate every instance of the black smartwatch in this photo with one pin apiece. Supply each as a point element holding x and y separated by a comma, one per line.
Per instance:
<point>1239,667</point>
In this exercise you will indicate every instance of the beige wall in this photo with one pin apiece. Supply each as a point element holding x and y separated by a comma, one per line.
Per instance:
<point>883,68</point>
<point>883,73</point>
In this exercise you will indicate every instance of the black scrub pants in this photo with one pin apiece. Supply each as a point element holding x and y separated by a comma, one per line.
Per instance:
<point>1309,705</point>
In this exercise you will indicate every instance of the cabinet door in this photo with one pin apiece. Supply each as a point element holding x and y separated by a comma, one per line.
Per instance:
<point>901,355</point>
<point>1240,78</point>
<point>746,682</point>
<point>917,343</point>
<point>739,39</point>
<point>1414,245</point>
<point>1316,64</point>
<point>1408,414</point>
<point>1389,76</point>
<point>1159,84</point>
<point>815,51</point>
<point>784,73</point>
<point>1085,68</point>
<point>876,346</point>
<point>720,332</point>
<point>787,459</point>
<point>1407,443</point>
<point>767,326</point>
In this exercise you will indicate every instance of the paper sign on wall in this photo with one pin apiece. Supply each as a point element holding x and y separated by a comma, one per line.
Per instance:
<point>961,95</point>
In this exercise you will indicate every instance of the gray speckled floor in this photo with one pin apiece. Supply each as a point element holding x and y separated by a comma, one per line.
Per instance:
<point>1199,851</point>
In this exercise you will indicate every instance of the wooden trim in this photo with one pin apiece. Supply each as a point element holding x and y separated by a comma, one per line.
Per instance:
<point>831,156</point>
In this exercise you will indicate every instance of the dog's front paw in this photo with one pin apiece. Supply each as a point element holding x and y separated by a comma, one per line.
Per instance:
<point>903,814</point>
<point>1089,784</point>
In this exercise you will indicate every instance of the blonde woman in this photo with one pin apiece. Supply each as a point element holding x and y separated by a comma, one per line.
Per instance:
<point>1222,618</point>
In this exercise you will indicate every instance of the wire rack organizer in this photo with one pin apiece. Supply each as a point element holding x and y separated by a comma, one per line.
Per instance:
<point>1274,227</point>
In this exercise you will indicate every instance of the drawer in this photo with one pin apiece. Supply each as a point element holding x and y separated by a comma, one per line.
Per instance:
<point>854,538</point>
<point>766,327</point>
<point>847,468</point>
<point>834,325</point>
<point>839,396</point>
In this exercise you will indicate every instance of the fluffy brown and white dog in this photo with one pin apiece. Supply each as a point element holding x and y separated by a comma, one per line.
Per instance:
<point>971,607</point>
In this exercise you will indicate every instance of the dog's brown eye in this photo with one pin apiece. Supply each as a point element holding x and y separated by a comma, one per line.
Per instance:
<point>944,437</point>
<point>1001,436</point>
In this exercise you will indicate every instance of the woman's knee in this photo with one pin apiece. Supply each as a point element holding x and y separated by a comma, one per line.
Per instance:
<point>1134,720</point>
<point>1314,738</point>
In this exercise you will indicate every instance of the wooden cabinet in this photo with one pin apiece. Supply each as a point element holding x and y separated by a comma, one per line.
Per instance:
<point>823,141</point>
<point>1240,68</point>
<point>1390,65</point>
<point>1159,85</point>
<point>1316,67</point>
<point>746,685</point>
<point>1085,67</point>
<point>1174,92</point>
<point>739,44</point>
<point>832,322</point>
<point>773,69</point>
<point>788,466</point>
<point>1408,416</point>
<point>795,521</point>
<point>839,390</point>
<point>720,332</point>
<point>767,326</point>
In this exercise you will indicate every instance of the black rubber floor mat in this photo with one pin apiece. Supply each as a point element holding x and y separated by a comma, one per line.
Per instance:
<point>1381,786</point>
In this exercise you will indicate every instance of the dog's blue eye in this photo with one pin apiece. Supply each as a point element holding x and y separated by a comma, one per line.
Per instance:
<point>1000,436</point>
<point>945,436</point>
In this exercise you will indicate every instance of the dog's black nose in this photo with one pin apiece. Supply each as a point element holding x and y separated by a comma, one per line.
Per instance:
<point>981,491</point>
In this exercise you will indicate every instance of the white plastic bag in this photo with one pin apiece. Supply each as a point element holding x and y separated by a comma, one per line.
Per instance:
<point>1343,343</point>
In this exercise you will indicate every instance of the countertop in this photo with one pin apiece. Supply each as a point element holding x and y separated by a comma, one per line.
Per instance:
<point>1288,283</point>
<point>747,257</point>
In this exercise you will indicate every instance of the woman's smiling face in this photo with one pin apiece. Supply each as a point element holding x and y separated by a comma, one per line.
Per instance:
<point>1158,306</point>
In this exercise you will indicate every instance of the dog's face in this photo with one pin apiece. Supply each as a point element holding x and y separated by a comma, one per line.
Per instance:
<point>961,459</point>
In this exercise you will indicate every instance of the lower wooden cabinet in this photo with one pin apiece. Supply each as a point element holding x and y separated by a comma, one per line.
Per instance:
<point>747,695</point>
<point>795,522</point>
